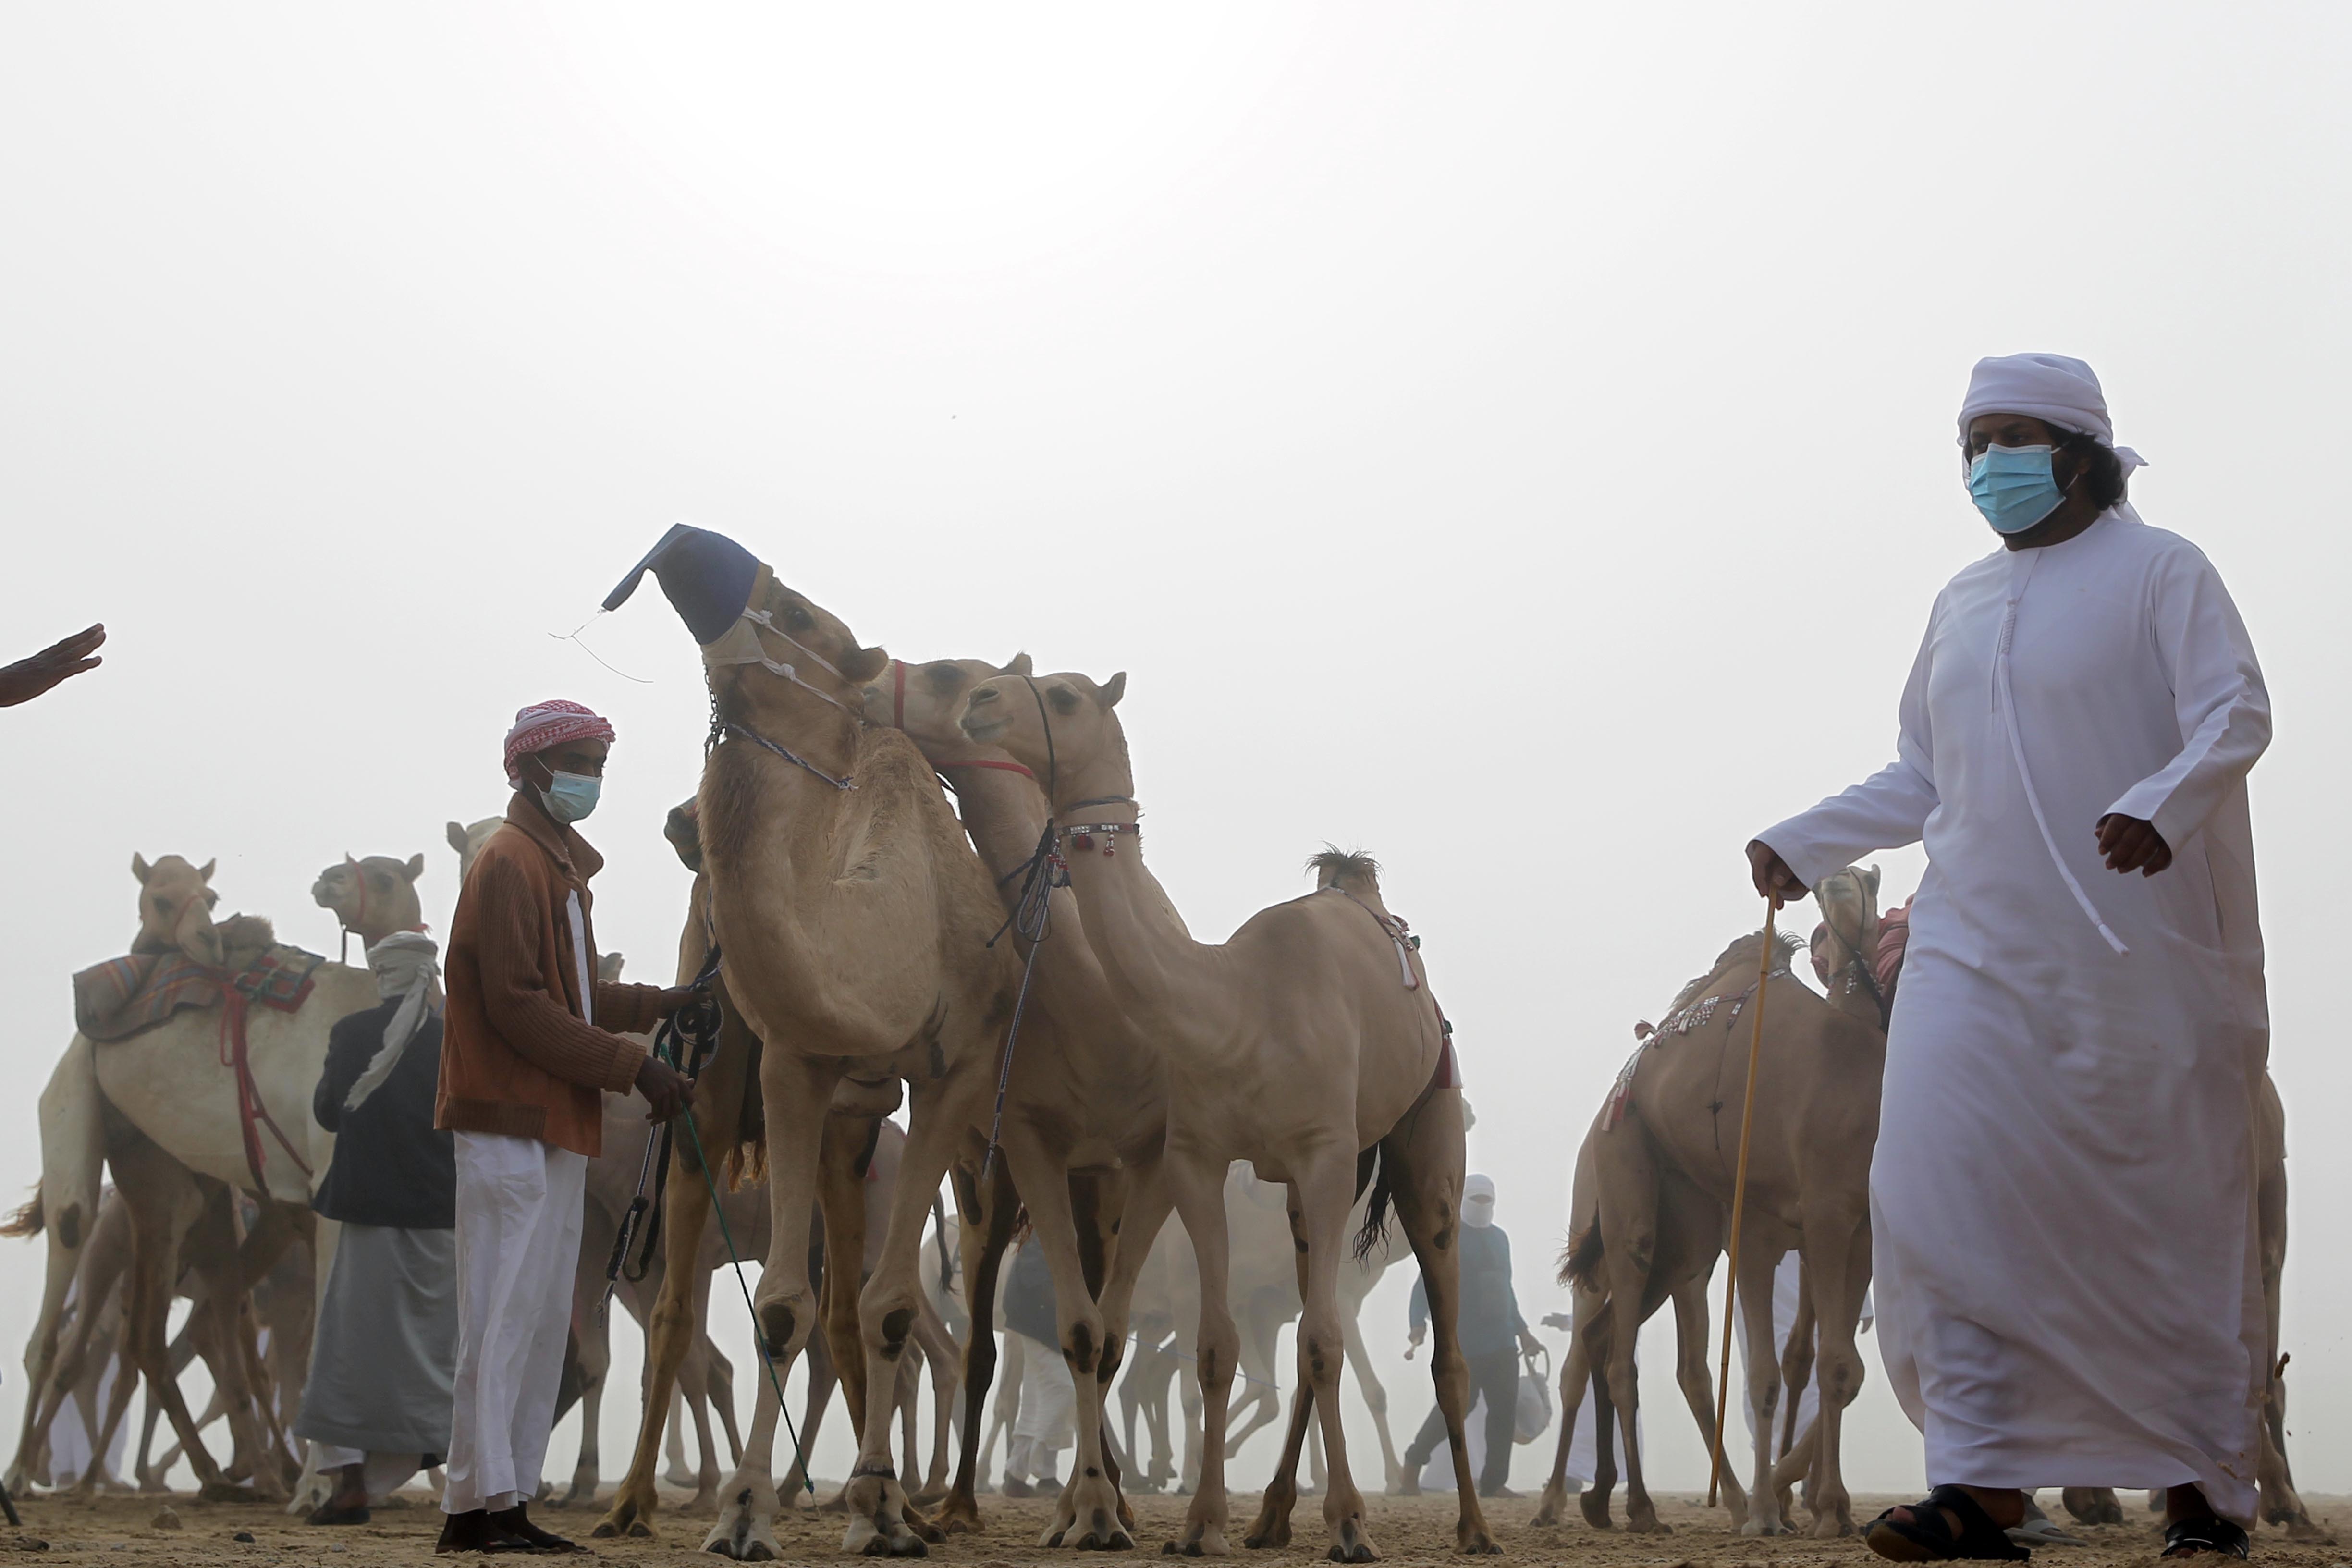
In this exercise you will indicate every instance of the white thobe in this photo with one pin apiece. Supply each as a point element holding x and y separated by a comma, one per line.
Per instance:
<point>519,1219</point>
<point>1046,1422</point>
<point>2061,1201</point>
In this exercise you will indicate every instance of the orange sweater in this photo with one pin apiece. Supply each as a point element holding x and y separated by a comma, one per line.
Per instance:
<point>517,1055</point>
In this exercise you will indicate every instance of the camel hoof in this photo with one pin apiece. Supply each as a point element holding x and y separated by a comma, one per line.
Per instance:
<point>1114,1540</point>
<point>1762,1526</point>
<point>1648,1527</point>
<point>1594,1506</point>
<point>640,1530</point>
<point>1478,1544</point>
<point>225,1490</point>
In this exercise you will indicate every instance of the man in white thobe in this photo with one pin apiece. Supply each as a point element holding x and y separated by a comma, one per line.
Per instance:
<point>2062,1201</point>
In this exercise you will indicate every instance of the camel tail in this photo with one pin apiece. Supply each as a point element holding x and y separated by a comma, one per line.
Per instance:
<point>1350,870</point>
<point>1374,1172</point>
<point>1580,1261</point>
<point>28,1220</point>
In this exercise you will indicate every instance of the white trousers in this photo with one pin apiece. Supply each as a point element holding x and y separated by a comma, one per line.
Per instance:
<point>1047,1422</point>
<point>518,1208</point>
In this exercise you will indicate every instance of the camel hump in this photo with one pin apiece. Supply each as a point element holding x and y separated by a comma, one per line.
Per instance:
<point>1352,869</point>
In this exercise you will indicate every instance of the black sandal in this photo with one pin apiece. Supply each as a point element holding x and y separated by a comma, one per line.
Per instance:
<point>1926,1537</point>
<point>2211,1534</point>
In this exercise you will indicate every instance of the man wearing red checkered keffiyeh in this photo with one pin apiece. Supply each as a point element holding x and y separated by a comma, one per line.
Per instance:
<point>532,1042</point>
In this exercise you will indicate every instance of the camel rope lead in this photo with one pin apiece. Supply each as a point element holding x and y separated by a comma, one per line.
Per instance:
<point>1739,1198</point>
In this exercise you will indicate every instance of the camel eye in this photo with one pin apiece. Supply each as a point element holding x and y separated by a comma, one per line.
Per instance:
<point>945,677</point>
<point>800,620</point>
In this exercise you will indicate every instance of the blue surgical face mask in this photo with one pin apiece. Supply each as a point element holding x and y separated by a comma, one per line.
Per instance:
<point>571,797</point>
<point>2014,487</point>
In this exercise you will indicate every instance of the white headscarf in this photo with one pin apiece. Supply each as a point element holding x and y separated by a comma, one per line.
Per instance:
<point>2049,387</point>
<point>1478,1202</point>
<point>405,968</point>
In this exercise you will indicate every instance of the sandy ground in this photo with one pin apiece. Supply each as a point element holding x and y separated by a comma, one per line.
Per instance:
<point>118,1529</point>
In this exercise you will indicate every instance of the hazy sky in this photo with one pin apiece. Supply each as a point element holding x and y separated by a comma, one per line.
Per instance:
<point>1516,439</point>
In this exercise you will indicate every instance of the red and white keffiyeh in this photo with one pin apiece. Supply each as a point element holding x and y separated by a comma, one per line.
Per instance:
<point>549,723</point>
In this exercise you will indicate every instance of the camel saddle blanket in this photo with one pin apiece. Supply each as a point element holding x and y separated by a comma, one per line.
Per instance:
<point>1682,1021</point>
<point>119,998</point>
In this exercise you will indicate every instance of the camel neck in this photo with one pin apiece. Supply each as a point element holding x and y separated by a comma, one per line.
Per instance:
<point>1157,973</point>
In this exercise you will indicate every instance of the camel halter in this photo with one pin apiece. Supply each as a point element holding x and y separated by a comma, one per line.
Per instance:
<point>749,651</point>
<point>1860,964</point>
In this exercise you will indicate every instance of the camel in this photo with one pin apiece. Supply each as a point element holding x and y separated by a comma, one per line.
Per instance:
<point>468,838</point>
<point>370,898</point>
<point>166,1085</point>
<point>729,1124</point>
<point>1307,1044</point>
<point>1084,1111</point>
<point>1661,1184</point>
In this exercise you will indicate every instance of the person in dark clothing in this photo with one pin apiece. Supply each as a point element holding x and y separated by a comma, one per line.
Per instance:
<point>378,1402</point>
<point>1493,1337</point>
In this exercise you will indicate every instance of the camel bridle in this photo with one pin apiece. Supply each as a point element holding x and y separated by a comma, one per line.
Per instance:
<point>721,726</point>
<point>1859,964</point>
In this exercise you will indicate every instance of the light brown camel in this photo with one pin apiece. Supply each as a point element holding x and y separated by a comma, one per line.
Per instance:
<point>854,918</point>
<point>1663,1177</point>
<point>371,899</point>
<point>166,1084</point>
<point>1085,1110</point>
<point>468,838</point>
<point>1307,1044</point>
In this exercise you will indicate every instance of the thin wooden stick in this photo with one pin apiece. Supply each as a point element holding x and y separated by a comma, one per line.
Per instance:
<point>1739,1197</point>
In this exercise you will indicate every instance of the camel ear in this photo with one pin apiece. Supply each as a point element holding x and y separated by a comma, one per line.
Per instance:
<point>205,875</point>
<point>457,837</point>
<point>1019,666</point>
<point>415,867</point>
<point>864,664</point>
<point>1114,689</point>
<point>140,868</point>
<point>1870,881</point>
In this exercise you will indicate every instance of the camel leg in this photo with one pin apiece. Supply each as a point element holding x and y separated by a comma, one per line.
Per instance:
<point>1198,1186</point>
<point>1376,1397</point>
<point>1127,1213</point>
<point>719,1383</point>
<point>1594,1504</point>
<point>881,1521</point>
<point>1836,1252</point>
<point>984,1227</point>
<point>1422,1164</point>
<point>940,1355</point>
<point>815,1404</point>
<point>1629,1231</point>
<point>165,1203</point>
<point>73,1153</point>
<point>1086,1515</point>
<point>1759,1265</point>
<point>1575,1372</point>
<point>2281,1503</point>
<point>1261,1404</point>
<point>674,1469</point>
<point>1796,1366</point>
<point>591,1342</point>
<point>1272,1526</point>
<point>796,1092</point>
<point>670,1329</point>
<point>843,1159</point>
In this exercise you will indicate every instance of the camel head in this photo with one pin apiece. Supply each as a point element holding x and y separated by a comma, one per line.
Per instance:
<point>1849,905</point>
<point>176,909</point>
<point>770,652</point>
<point>468,838</point>
<point>1059,727</point>
<point>372,898</point>
<point>927,699</point>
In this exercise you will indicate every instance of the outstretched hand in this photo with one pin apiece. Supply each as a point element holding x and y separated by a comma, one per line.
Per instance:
<point>28,677</point>
<point>1774,881</point>
<point>2131,844</point>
